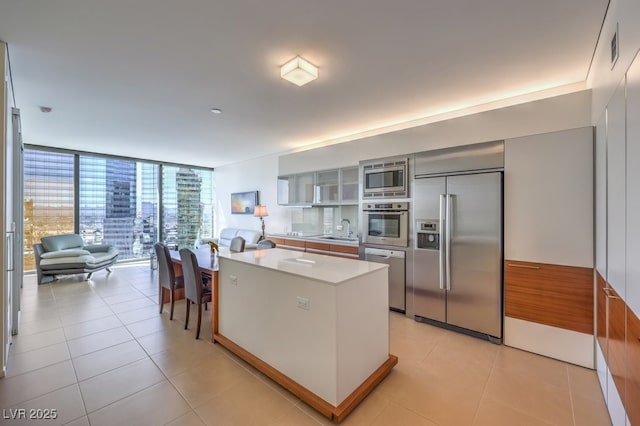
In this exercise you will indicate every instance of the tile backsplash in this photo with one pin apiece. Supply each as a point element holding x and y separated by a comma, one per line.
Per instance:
<point>323,220</point>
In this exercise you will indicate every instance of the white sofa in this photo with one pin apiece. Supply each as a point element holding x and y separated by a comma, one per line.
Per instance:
<point>250,236</point>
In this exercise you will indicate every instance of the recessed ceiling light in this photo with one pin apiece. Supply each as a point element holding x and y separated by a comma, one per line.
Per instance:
<point>216,110</point>
<point>45,109</point>
<point>299,71</point>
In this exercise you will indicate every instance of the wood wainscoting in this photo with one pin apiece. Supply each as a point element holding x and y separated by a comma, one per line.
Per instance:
<point>632,394</point>
<point>555,295</point>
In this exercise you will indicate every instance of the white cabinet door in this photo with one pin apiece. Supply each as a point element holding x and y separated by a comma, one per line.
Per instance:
<point>601,196</point>
<point>633,188</point>
<point>548,198</point>
<point>616,181</point>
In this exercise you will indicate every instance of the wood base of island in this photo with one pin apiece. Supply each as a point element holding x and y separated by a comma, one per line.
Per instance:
<point>335,414</point>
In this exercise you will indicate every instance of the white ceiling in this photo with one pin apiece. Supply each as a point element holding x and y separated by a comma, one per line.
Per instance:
<point>138,77</point>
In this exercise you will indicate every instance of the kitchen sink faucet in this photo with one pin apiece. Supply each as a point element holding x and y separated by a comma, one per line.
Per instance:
<point>349,231</point>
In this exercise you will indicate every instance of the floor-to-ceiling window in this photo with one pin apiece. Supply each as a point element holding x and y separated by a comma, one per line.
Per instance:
<point>117,201</point>
<point>48,198</point>
<point>187,200</point>
<point>119,204</point>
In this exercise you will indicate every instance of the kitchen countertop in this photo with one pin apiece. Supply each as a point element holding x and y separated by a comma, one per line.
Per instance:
<point>332,270</point>
<point>320,239</point>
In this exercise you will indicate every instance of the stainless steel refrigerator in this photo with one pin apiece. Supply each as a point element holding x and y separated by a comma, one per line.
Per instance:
<point>457,263</point>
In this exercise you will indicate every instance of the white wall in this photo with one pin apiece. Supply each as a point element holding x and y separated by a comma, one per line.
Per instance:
<point>547,115</point>
<point>602,78</point>
<point>252,175</point>
<point>541,116</point>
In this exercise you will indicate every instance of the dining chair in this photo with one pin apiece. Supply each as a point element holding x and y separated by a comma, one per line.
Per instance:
<point>194,290</point>
<point>265,244</point>
<point>166,276</point>
<point>237,245</point>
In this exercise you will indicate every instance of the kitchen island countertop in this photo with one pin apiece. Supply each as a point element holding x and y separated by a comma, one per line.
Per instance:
<point>332,270</point>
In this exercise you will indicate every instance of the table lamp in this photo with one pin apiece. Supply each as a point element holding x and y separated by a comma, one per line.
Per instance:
<point>261,211</point>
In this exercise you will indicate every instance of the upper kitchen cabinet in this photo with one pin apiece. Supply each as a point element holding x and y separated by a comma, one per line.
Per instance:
<point>327,187</point>
<point>323,188</point>
<point>349,185</point>
<point>296,190</point>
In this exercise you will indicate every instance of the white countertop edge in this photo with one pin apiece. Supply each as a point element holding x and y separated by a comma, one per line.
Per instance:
<point>270,258</point>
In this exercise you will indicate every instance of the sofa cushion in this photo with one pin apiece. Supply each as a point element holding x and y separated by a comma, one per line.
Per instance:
<point>250,236</point>
<point>62,242</point>
<point>226,235</point>
<point>88,260</point>
<point>98,248</point>
<point>64,253</point>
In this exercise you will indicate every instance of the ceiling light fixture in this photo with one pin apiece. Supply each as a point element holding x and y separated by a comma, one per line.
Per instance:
<point>216,110</point>
<point>299,71</point>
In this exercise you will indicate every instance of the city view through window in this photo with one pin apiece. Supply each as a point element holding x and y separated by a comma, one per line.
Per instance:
<point>118,202</point>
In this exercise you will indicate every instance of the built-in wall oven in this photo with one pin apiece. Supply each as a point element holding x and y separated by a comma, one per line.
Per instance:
<point>384,178</point>
<point>385,223</point>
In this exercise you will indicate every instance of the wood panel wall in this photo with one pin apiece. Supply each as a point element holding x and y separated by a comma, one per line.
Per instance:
<point>632,393</point>
<point>554,295</point>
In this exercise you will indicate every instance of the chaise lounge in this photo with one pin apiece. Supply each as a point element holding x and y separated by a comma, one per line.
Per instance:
<point>67,255</point>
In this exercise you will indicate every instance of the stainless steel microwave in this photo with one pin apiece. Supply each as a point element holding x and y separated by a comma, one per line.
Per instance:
<point>387,179</point>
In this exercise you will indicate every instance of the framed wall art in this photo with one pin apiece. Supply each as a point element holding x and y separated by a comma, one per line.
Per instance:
<point>244,202</point>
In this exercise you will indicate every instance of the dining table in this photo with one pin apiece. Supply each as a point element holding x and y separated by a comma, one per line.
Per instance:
<point>208,265</point>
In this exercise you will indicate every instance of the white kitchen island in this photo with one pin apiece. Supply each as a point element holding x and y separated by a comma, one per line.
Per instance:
<point>318,325</point>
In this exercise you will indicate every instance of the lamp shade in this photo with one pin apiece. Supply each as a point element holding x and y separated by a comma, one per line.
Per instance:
<point>299,71</point>
<point>260,211</point>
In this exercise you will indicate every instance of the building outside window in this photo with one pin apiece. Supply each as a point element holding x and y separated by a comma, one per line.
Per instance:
<point>187,200</point>
<point>48,198</point>
<point>118,202</point>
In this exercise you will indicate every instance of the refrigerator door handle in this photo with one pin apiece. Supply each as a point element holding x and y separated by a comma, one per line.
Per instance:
<point>441,259</point>
<point>448,242</point>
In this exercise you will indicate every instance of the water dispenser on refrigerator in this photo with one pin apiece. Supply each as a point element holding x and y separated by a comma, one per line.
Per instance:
<point>427,235</point>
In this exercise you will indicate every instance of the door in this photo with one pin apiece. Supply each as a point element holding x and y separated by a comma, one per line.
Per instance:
<point>428,294</point>
<point>474,298</point>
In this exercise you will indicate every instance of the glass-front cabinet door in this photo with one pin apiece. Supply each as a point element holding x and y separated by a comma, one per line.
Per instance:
<point>296,190</point>
<point>304,189</point>
<point>326,187</point>
<point>349,185</point>
<point>285,189</point>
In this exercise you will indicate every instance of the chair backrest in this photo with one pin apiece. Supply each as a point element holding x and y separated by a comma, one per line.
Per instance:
<point>166,274</point>
<point>192,275</point>
<point>266,244</point>
<point>237,245</point>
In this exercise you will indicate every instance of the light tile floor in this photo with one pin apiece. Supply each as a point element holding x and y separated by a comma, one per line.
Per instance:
<point>100,353</point>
